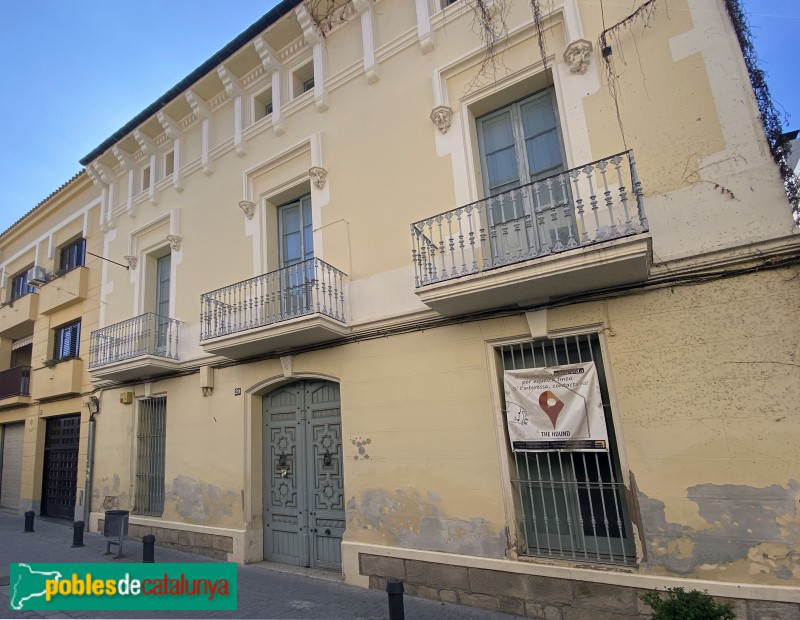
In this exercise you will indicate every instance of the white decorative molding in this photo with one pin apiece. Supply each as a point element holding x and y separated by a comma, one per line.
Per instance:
<point>371,68</point>
<point>248,207</point>
<point>318,176</point>
<point>103,177</point>
<point>150,149</point>
<point>128,163</point>
<point>235,90</point>
<point>424,31</point>
<point>132,261</point>
<point>175,242</point>
<point>174,132</point>
<point>272,64</point>
<point>202,110</point>
<point>442,116</point>
<point>314,37</point>
<point>578,55</point>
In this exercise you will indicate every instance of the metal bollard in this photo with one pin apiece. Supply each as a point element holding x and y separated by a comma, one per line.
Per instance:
<point>148,549</point>
<point>394,588</point>
<point>77,534</point>
<point>29,521</point>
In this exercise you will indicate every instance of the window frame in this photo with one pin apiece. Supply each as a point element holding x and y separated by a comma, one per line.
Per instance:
<point>19,285</point>
<point>75,253</point>
<point>151,442</point>
<point>67,341</point>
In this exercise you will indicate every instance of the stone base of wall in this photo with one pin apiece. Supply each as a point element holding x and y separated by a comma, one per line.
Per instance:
<point>211,545</point>
<point>532,596</point>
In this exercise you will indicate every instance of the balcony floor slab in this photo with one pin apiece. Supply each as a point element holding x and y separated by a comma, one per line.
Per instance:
<point>612,263</point>
<point>285,335</point>
<point>136,368</point>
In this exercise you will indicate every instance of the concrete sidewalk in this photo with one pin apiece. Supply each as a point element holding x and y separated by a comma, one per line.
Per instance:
<point>266,590</point>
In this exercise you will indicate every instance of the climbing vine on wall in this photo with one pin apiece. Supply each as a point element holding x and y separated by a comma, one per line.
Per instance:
<point>770,116</point>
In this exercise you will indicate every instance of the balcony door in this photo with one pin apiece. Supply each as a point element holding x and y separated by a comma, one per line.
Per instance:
<point>162,323</point>
<point>521,144</point>
<point>296,238</point>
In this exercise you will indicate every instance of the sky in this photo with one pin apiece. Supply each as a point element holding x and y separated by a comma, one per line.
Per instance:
<point>78,70</point>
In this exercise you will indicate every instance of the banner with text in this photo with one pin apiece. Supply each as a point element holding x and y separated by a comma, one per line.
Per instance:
<point>555,408</point>
<point>195,586</point>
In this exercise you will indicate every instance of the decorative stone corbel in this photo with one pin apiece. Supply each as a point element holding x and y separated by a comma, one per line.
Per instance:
<point>202,111</point>
<point>273,66</point>
<point>248,207</point>
<point>175,242</point>
<point>132,261</point>
<point>319,176</point>
<point>174,132</point>
<point>319,53</point>
<point>235,90</point>
<point>148,146</point>
<point>442,116</point>
<point>578,55</point>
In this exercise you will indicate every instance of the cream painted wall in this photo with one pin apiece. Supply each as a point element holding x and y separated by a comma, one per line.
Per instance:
<point>701,381</point>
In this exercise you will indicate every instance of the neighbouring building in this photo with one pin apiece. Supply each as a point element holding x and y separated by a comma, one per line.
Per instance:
<point>50,287</point>
<point>517,328</point>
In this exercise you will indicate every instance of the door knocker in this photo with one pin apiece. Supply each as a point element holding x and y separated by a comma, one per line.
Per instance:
<point>327,459</point>
<point>283,466</point>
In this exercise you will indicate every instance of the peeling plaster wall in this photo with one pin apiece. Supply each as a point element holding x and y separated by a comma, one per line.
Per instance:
<point>705,378</point>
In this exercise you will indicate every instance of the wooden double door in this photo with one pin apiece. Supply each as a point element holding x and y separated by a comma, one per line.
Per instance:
<point>303,483</point>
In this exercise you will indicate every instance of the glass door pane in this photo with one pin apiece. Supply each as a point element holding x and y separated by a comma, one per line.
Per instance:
<point>163,266</point>
<point>296,253</point>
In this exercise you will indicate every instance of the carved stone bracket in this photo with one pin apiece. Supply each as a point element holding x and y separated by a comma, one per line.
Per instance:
<point>578,55</point>
<point>319,176</point>
<point>131,260</point>
<point>175,242</point>
<point>249,208</point>
<point>441,117</point>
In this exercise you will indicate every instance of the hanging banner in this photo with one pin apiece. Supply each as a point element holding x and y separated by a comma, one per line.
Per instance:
<point>555,408</point>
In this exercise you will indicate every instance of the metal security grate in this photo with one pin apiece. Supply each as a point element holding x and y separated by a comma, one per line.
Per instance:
<point>570,505</point>
<point>151,442</point>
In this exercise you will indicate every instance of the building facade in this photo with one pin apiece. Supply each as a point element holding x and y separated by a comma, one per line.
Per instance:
<point>50,288</point>
<point>345,233</point>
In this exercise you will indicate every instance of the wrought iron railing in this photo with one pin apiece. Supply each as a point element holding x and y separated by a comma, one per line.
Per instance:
<point>570,504</point>
<point>15,382</point>
<point>309,287</point>
<point>596,202</point>
<point>146,334</point>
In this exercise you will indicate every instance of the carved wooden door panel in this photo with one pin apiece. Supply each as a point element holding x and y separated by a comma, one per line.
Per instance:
<point>303,486</point>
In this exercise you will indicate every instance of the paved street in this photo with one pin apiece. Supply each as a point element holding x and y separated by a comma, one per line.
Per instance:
<point>265,590</point>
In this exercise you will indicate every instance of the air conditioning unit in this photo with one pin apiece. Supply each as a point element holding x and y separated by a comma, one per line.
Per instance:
<point>37,276</point>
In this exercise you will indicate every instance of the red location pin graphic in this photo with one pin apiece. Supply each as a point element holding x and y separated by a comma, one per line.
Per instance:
<point>551,405</point>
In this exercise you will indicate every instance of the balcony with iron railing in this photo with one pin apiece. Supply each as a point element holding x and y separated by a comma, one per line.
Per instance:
<point>291,307</point>
<point>580,230</point>
<point>140,347</point>
<point>15,386</point>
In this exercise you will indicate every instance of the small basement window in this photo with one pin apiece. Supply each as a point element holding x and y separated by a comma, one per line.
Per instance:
<point>145,178</point>
<point>169,163</point>
<point>303,80</point>
<point>262,105</point>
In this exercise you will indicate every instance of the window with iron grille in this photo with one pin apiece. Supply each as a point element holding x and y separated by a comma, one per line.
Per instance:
<point>150,447</point>
<point>20,286</point>
<point>67,341</point>
<point>72,255</point>
<point>570,505</point>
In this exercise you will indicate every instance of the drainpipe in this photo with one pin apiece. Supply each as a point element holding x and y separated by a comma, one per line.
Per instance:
<point>94,408</point>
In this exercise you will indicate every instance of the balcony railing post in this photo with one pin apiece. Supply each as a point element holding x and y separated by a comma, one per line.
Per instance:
<point>637,191</point>
<point>543,217</point>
